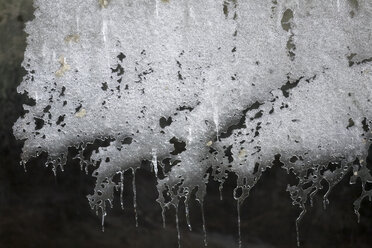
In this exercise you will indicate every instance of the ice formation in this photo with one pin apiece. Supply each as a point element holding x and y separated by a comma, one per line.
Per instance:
<point>193,85</point>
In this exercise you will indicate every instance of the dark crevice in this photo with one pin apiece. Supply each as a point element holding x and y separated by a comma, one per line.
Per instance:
<point>60,119</point>
<point>165,122</point>
<point>121,56</point>
<point>289,85</point>
<point>229,154</point>
<point>241,123</point>
<point>183,108</point>
<point>119,70</point>
<point>351,123</point>
<point>179,146</point>
<point>353,61</point>
<point>365,125</point>
<point>39,123</point>
<point>127,141</point>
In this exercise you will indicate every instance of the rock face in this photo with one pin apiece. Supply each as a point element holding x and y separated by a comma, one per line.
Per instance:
<point>200,90</point>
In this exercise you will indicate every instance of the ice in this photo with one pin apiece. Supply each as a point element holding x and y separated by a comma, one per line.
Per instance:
<point>134,196</point>
<point>228,85</point>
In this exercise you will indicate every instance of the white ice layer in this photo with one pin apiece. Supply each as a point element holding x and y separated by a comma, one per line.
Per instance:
<point>226,85</point>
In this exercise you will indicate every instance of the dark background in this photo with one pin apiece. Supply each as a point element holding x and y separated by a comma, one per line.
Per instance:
<point>38,209</point>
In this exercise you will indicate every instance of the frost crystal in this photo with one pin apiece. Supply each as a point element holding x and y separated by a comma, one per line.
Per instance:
<point>191,85</point>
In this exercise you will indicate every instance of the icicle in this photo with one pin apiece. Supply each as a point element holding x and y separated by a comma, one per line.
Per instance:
<point>163,215</point>
<point>357,214</point>
<point>121,189</point>
<point>203,219</point>
<point>312,194</point>
<point>54,169</point>
<point>155,162</point>
<point>298,220</point>
<point>325,198</point>
<point>220,188</point>
<point>80,157</point>
<point>178,228</point>
<point>86,169</point>
<point>134,196</point>
<point>103,217</point>
<point>239,232</point>
<point>187,214</point>
<point>23,163</point>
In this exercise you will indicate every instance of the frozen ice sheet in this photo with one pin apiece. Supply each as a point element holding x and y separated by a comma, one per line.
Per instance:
<point>227,85</point>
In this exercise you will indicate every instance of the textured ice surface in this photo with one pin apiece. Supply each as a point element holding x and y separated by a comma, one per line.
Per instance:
<point>192,85</point>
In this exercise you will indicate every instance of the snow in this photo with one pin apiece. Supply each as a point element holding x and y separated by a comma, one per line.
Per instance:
<point>225,85</point>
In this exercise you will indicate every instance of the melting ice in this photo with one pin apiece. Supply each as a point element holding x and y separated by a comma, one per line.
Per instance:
<point>226,85</point>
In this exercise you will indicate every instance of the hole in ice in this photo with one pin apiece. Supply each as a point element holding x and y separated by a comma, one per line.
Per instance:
<point>179,146</point>
<point>39,123</point>
<point>164,122</point>
<point>238,192</point>
<point>127,141</point>
<point>351,123</point>
<point>104,86</point>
